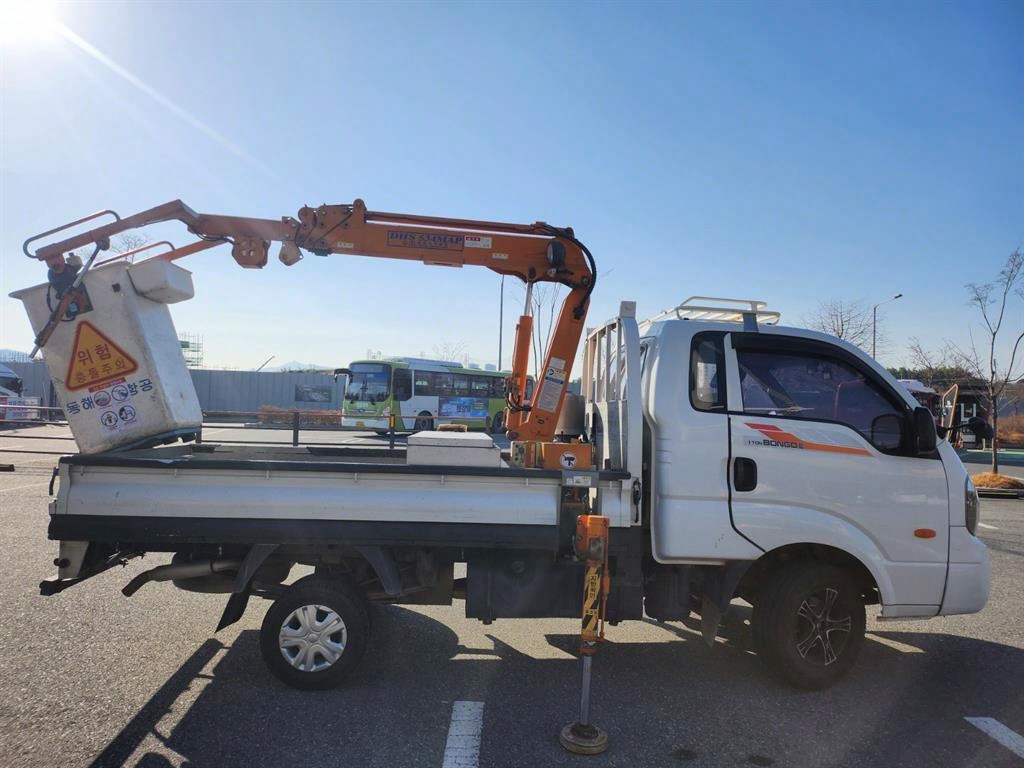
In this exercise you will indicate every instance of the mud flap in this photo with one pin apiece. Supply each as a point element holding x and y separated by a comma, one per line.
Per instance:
<point>719,587</point>
<point>385,567</point>
<point>239,599</point>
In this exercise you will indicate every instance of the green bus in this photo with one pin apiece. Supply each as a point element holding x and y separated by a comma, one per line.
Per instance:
<point>422,394</point>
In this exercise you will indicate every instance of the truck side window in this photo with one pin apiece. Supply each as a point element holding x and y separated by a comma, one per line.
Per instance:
<point>816,387</point>
<point>707,373</point>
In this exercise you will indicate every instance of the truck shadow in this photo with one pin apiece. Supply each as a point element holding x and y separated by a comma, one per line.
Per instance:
<point>659,691</point>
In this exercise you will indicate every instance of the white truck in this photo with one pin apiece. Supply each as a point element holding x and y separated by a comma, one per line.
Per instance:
<point>732,459</point>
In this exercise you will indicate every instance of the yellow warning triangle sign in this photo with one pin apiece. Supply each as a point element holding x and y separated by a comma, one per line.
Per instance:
<point>95,359</point>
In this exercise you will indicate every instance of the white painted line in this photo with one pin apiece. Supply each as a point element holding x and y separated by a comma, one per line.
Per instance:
<point>1010,739</point>
<point>463,747</point>
<point>23,487</point>
<point>988,527</point>
<point>476,656</point>
<point>897,646</point>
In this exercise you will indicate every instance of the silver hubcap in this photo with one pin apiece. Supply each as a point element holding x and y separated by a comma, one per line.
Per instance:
<point>312,638</point>
<point>820,635</point>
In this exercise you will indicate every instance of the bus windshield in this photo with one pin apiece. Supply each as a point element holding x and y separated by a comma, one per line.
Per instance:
<point>9,380</point>
<point>368,382</point>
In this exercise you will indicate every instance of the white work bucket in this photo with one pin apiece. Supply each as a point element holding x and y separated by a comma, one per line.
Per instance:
<point>117,364</point>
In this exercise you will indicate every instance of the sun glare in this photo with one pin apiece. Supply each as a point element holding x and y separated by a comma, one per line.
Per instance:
<point>23,22</point>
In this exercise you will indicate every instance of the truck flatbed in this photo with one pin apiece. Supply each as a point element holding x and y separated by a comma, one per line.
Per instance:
<point>160,498</point>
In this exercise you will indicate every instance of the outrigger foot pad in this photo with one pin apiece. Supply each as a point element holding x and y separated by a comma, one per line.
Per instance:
<point>584,739</point>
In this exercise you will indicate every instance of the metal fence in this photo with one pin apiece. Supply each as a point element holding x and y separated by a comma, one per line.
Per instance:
<point>222,391</point>
<point>309,428</point>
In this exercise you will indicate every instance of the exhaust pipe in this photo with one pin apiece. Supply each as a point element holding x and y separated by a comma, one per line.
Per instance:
<point>180,571</point>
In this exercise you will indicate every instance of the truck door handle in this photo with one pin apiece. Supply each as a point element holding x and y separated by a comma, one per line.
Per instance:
<point>744,474</point>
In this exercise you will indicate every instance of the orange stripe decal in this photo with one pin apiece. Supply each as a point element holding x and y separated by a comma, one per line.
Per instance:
<point>779,435</point>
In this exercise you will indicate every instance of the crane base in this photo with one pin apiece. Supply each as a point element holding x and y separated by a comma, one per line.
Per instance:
<point>584,739</point>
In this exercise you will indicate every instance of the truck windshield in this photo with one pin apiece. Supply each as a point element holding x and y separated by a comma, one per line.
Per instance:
<point>368,382</point>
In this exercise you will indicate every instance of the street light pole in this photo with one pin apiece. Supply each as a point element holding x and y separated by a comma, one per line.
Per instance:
<point>874,319</point>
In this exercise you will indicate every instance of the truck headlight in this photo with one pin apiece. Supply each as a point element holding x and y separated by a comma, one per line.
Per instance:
<point>971,507</point>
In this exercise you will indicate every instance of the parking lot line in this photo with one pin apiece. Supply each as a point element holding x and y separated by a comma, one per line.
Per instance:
<point>1012,740</point>
<point>896,646</point>
<point>23,487</point>
<point>463,747</point>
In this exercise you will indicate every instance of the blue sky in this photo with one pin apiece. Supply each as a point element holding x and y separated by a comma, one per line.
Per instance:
<point>790,152</point>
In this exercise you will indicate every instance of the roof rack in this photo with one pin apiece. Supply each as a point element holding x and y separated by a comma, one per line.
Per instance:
<point>717,309</point>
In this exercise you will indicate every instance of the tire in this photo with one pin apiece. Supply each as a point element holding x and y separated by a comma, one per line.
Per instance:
<point>498,423</point>
<point>808,626</point>
<point>424,421</point>
<point>339,582</point>
<point>315,633</point>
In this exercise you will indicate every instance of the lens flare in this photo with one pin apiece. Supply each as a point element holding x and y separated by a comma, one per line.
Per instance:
<point>25,22</point>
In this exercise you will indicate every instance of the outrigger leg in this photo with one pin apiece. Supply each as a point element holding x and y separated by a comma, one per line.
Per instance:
<point>582,737</point>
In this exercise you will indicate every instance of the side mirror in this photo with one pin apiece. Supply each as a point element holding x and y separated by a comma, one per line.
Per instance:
<point>887,432</point>
<point>924,431</point>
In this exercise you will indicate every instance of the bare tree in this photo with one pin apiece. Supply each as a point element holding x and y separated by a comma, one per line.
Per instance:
<point>847,320</point>
<point>925,364</point>
<point>936,368</point>
<point>545,305</point>
<point>992,300</point>
<point>450,352</point>
<point>128,241</point>
<point>546,300</point>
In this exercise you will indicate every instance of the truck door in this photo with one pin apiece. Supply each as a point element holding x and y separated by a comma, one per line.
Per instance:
<point>690,520</point>
<point>822,452</point>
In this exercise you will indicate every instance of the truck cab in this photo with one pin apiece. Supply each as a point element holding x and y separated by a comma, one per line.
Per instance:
<point>786,467</point>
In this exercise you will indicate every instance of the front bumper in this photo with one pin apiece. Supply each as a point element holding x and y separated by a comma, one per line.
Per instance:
<point>969,579</point>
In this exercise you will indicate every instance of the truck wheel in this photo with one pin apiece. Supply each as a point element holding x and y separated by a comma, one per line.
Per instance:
<point>809,625</point>
<point>424,421</point>
<point>315,633</point>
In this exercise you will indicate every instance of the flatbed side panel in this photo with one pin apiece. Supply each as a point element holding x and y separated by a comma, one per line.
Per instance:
<point>133,491</point>
<point>225,494</point>
<point>170,533</point>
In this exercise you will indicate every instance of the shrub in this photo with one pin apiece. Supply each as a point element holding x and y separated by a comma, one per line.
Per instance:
<point>1011,431</point>
<point>991,480</point>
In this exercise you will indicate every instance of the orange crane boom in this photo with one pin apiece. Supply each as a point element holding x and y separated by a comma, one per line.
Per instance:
<point>534,253</point>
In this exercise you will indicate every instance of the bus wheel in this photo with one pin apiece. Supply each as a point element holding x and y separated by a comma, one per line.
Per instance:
<point>423,421</point>
<point>498,423</point>
<point>315,633</point>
